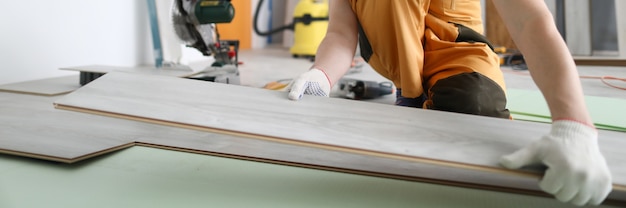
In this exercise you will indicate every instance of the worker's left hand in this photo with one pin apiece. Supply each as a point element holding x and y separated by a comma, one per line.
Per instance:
<point>313,82</point>
<point>577,172</point>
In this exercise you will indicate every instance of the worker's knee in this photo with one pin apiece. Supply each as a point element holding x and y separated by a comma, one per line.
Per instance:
<point>470,93</point>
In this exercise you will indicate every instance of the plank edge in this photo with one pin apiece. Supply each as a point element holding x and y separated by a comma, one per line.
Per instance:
<point>349,171</point>
<point>36,93</point>
<point>66,160</point>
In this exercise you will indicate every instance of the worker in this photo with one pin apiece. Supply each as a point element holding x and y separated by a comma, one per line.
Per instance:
<point>435,54</point>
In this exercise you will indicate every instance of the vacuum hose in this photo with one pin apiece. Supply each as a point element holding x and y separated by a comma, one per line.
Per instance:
<point>267,33</point>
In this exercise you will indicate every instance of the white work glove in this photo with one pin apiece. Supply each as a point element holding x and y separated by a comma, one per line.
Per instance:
<point>313,82</point>
<point>577,172</point>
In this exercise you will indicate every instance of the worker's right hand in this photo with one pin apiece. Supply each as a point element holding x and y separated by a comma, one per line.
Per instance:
<point>313,82</point>
<point>577,171</point>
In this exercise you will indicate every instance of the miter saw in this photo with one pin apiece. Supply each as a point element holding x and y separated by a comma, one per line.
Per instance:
<point>195,22</point>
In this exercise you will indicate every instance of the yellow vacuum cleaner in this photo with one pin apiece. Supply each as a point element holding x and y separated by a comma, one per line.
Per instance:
<point>309,25</point>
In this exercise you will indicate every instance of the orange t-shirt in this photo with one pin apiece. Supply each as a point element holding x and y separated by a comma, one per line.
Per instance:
<point>395,30</point>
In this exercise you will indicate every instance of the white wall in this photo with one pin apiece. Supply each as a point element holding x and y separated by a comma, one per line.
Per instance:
<point>39,36</point>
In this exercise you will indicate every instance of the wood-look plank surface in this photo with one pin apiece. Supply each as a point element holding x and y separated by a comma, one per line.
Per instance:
<point>179,71</point>
<point>45,87</point>
<point>30,127</point>
<point>317,158</point>
<point>397,133</point>
<point>301,156</point>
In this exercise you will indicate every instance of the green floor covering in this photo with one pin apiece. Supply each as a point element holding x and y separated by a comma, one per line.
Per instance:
<point>607,113</point>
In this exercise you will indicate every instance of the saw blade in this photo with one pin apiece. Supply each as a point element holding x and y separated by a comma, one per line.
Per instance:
<point>181,23</point>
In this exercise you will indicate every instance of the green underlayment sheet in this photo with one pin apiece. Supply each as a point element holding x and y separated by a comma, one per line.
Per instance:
<point>607,113</point>
<point>147,177</point>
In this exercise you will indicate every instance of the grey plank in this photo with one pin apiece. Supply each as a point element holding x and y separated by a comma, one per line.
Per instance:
<point>330,123</point>
<point>302,156</point>
<point>317,158</point>
<point>30,127</point>
<point>47,87</point>
<point>386,131</point>
<point>70,137</point>
<point>177,71</point>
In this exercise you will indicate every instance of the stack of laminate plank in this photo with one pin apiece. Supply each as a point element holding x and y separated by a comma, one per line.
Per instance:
<point>262,125</point>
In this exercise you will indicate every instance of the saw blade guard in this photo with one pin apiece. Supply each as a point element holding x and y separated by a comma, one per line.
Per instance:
<point>188,28</point>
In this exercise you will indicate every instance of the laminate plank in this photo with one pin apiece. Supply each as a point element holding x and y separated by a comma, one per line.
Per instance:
<point>223,145</point>
<point>30,127</point>
<point>46,87</point>
<point>178,71</point>
<point>316,158</point>
<point>71,137</point>
<point>397,133</point>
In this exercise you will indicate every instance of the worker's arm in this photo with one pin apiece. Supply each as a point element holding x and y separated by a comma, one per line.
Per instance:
<point>577,170</point>
<point>551,66</point>
<point>334,54</point>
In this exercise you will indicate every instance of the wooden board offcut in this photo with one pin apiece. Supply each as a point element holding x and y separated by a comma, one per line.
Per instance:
<point>441,139</point>
<point>45,87</point>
